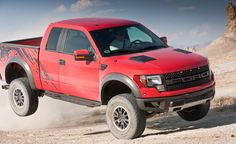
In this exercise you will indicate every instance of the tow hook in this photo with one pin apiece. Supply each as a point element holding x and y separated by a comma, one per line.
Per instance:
<point>6,87</point>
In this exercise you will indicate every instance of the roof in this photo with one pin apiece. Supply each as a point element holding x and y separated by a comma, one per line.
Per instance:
<point>97,23</point>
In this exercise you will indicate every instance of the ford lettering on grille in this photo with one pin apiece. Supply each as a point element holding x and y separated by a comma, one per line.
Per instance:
<point>188,78</point>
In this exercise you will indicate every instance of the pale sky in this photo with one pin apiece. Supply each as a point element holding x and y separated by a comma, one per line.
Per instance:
<point>184,22</point>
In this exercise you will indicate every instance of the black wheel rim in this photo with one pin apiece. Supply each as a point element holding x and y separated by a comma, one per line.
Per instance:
<point>121,118</point>
<point>18,98</point>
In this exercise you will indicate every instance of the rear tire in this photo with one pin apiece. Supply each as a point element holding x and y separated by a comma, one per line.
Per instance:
<point>195,113</point>
<point>125,120</point>
<point>23,99</point>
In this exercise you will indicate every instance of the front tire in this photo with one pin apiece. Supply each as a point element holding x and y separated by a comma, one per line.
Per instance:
<point>125,120</point>
<point>195,113</point>
<point>23,99</point>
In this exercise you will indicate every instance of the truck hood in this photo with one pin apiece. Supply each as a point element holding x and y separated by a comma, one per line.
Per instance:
<point>159,61</point>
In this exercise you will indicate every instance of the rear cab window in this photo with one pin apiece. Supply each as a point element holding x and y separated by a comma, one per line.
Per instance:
<point>53,39</point>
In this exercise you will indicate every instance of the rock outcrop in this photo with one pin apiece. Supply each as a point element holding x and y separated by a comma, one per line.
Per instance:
<point>231,17</point>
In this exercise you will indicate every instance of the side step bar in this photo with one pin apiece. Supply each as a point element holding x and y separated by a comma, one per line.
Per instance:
<point>73,99</point>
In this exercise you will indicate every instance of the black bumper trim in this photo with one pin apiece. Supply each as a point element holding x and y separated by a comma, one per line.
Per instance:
<point>164,103</point>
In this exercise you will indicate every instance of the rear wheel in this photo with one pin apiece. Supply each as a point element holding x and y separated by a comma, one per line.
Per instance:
<point>125,120</point>
<point>195,113</point>
<point>23,99</point>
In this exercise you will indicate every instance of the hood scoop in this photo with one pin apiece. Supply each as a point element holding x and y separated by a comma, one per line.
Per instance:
<point>182,51</point>
<point>142,59</point>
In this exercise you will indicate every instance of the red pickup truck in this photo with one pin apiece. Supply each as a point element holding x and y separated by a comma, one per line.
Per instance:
<point>113,62</point>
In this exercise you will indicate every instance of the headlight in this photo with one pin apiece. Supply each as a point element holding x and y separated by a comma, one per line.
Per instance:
<point>152,81</point>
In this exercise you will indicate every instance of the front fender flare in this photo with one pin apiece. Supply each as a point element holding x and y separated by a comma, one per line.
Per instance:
<point>121,78</point>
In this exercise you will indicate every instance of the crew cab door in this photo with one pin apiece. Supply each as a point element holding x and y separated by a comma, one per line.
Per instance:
<point>78,78</point>
<point>49,68</point>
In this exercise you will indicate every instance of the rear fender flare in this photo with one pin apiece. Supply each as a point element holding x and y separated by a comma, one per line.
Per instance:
<point>26,68</point>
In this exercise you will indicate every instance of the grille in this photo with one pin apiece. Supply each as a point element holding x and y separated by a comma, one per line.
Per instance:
<point>186,72</point>
<point>180,84</point>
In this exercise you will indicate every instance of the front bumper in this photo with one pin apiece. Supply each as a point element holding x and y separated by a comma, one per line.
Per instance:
<point>178,102</point>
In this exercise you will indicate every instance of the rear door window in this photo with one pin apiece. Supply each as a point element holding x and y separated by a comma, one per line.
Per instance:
<point>53,39</point>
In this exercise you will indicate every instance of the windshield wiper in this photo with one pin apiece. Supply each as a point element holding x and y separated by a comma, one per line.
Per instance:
<point>122,51</point>
<point>153,47</point>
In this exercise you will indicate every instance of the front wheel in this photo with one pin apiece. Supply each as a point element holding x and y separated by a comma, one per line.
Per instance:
<point>195,113</point>
<point>23,99</point>
<point>125,120</point>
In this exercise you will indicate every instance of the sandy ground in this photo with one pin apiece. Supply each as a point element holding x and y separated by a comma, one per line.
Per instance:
<point>61,122</point>
<point>218,127</point>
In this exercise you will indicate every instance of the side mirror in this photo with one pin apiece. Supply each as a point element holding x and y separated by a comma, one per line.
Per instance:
<point>164,39</point>
<point>84,54</point>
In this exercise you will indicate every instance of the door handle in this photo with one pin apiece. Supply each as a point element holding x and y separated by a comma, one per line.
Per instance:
<point>62,62</point>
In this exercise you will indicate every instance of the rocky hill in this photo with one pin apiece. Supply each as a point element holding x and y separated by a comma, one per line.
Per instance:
<point>222,46</point>
<point>226,44</point>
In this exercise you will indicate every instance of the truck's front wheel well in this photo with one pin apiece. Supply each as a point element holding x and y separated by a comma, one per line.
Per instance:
<point>14,71</point>
<point>113,88</point>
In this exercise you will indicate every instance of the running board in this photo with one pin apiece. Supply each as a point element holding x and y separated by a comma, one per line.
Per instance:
<point>73,99</point>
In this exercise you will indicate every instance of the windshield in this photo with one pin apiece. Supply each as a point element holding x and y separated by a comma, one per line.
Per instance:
<point>125,40</point>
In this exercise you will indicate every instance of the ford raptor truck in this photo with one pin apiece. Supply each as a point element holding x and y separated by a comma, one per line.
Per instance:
<point>114,62</point>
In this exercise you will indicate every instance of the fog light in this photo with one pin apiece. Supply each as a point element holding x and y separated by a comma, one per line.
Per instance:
<point>161,88</point>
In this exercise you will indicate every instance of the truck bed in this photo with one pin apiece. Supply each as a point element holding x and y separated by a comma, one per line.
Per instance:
<point>27,42</point>
<point>26,50</point>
